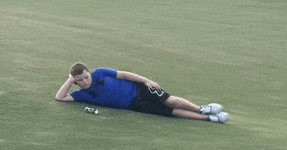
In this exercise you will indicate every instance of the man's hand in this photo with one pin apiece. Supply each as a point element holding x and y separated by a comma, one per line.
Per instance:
<point>72,79</point>
<point>152,84</point>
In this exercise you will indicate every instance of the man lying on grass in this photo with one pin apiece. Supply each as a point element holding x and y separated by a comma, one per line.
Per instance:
<point>125,90</point>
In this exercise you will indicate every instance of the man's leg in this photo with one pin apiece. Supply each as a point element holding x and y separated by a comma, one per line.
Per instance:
<point>189,114</point>
<point>222,117</point>
<point>180,103</point>
<point>185,109</point>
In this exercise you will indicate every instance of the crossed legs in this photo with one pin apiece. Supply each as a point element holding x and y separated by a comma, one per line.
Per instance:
<point>185,109</point>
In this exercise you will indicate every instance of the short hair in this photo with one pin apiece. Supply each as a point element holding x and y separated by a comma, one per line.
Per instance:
<point>78,68</point>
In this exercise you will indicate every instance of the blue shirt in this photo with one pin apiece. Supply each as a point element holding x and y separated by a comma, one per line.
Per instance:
<point>108,91</point>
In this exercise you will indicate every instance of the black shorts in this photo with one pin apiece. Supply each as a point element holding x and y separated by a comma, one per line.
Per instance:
<point>152,101</point>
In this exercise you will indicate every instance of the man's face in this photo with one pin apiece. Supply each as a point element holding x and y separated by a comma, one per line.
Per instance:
<point>84,80</point>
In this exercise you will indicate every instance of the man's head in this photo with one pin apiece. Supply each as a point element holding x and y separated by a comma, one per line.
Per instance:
<point>82,75</point>
<point>78,68</point>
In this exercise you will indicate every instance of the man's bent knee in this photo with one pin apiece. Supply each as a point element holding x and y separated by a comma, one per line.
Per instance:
<point>171,101</point>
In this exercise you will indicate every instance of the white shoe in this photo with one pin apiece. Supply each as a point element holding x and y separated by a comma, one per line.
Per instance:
<point>211,109</point>
<point>222,117</point>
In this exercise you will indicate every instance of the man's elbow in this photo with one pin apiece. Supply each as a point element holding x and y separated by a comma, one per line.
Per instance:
<point>64,99</point>
<point>59,98</point>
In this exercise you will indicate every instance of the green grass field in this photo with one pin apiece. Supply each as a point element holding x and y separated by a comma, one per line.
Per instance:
<point>224,51</point>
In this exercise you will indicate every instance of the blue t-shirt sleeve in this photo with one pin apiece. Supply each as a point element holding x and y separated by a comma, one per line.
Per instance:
<point>107,72</point>
<point>77,96</point>
<point>81,96</point>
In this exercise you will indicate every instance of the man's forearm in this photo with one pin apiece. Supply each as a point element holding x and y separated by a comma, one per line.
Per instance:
<point>132,77</point>
<point>137,78</point>
<point>62,93</point>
